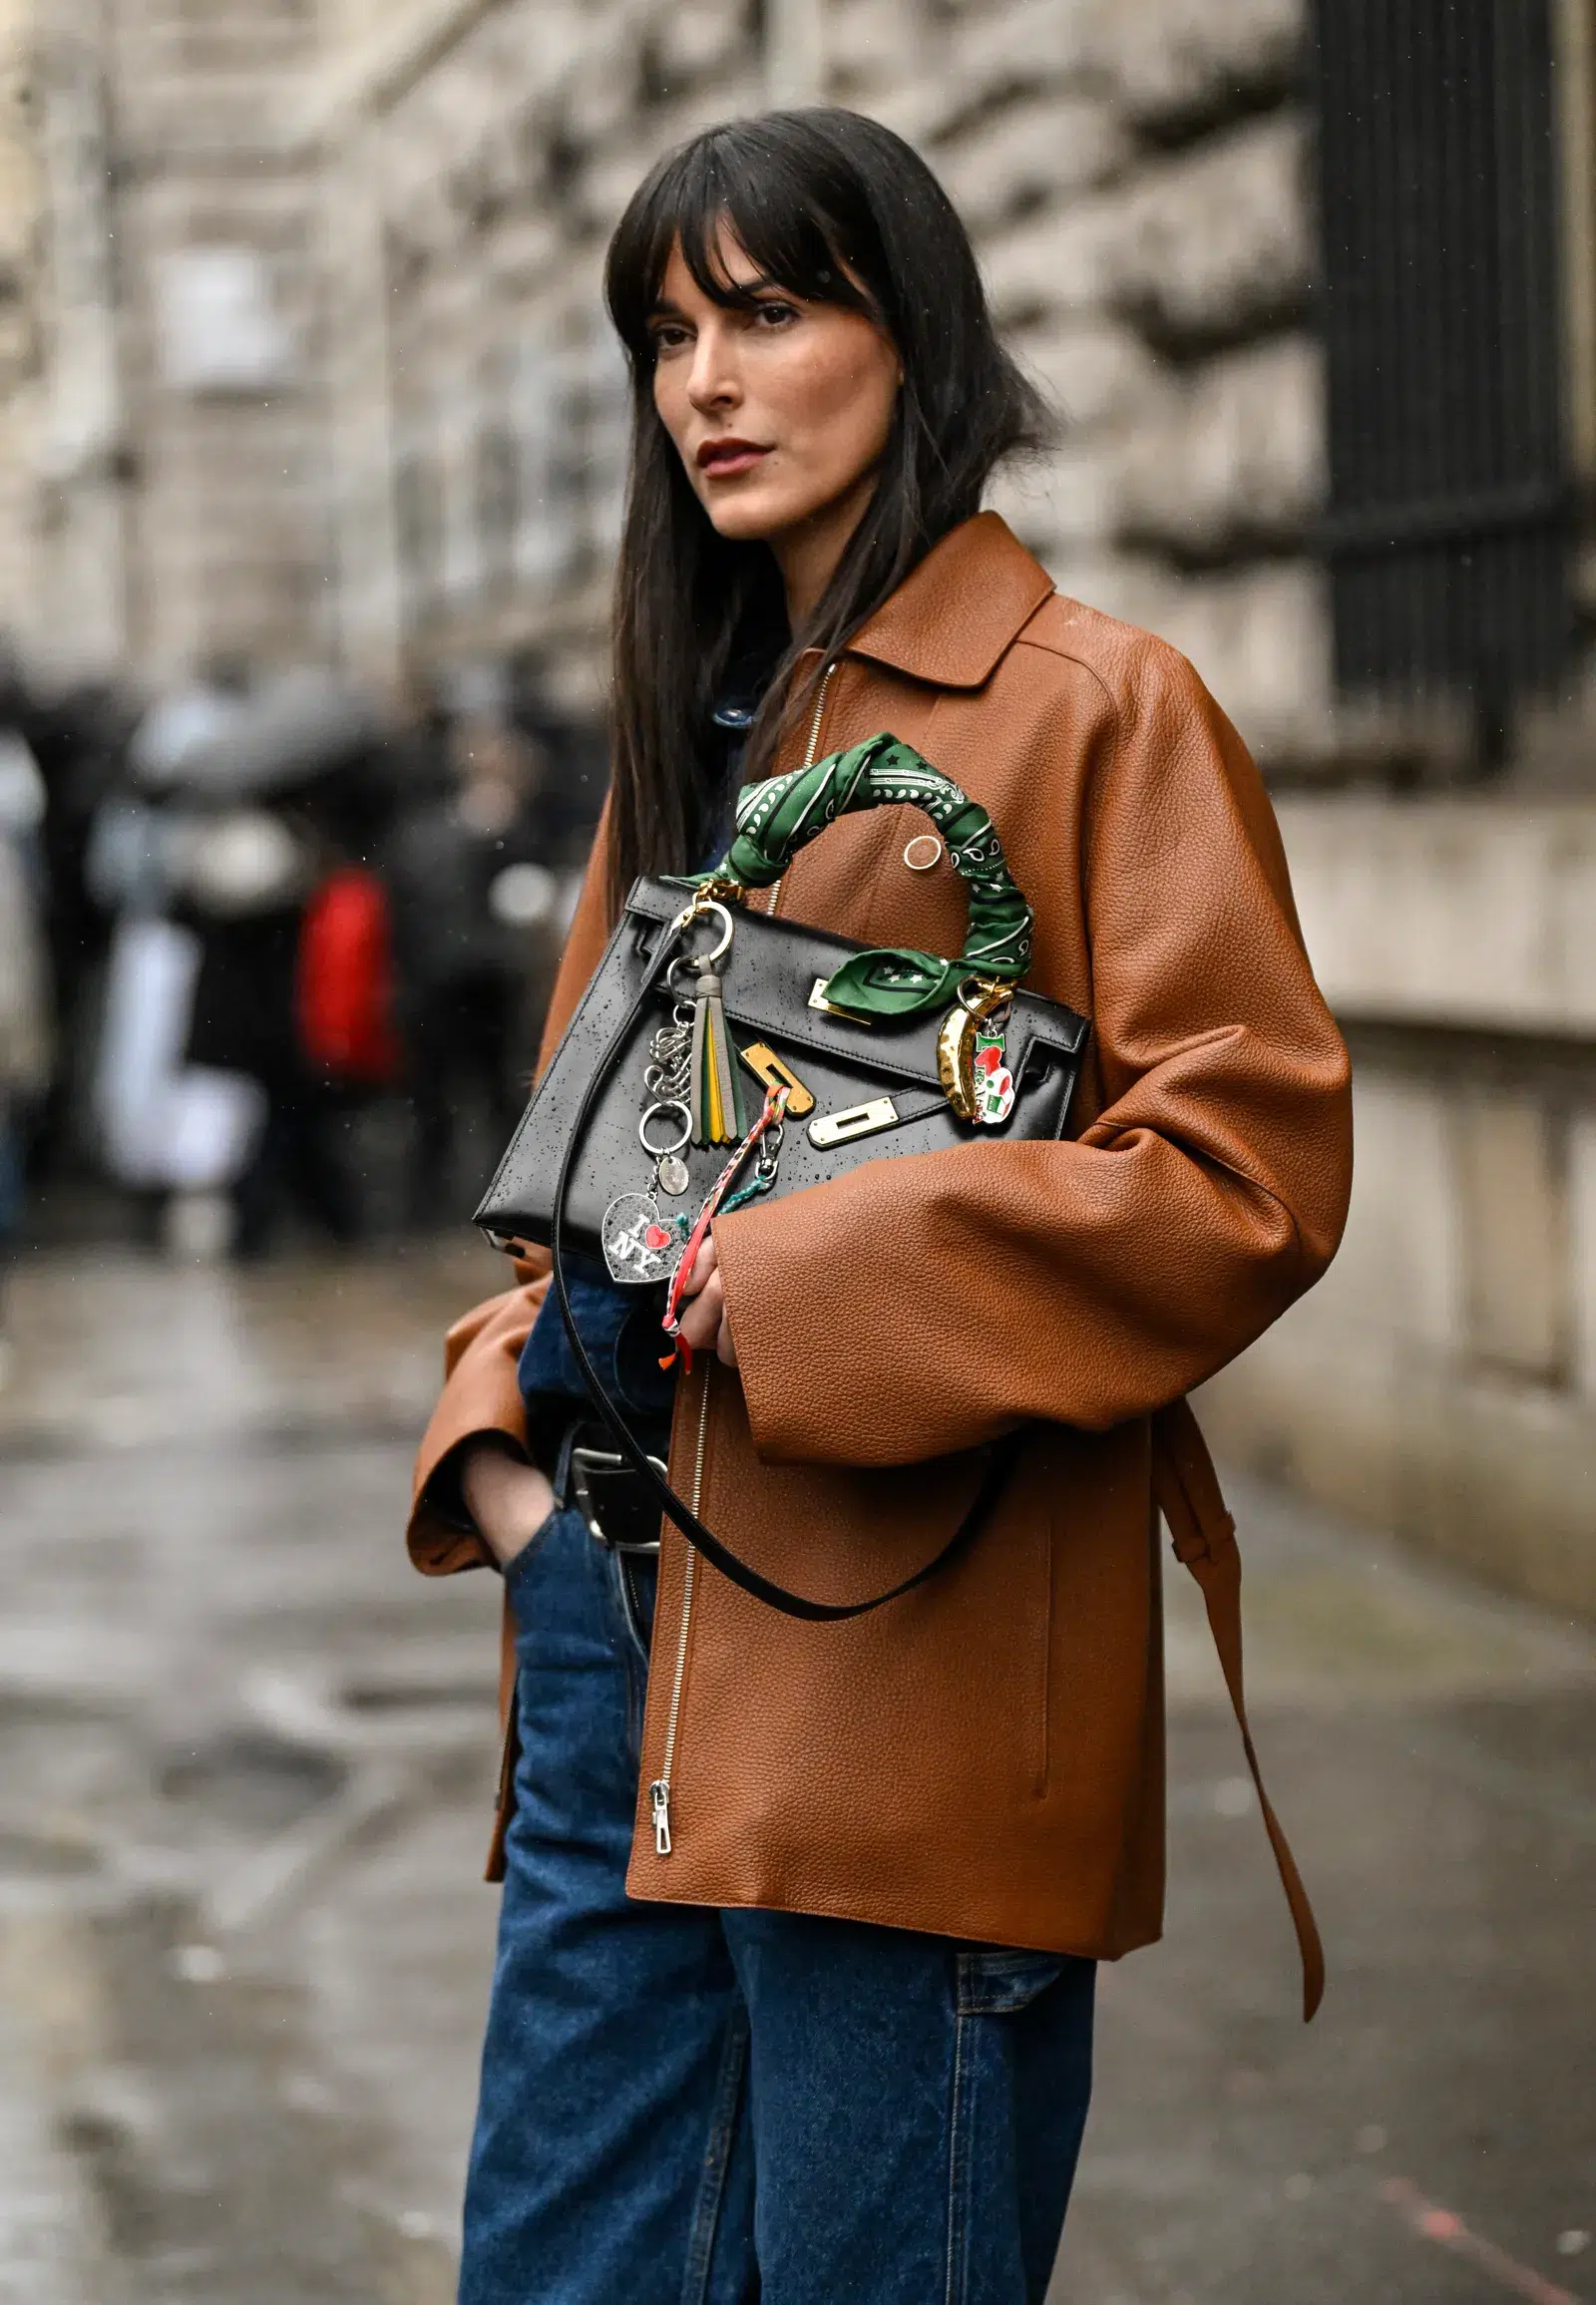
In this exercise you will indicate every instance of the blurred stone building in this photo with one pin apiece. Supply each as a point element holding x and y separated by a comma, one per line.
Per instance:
<point>311,363</point>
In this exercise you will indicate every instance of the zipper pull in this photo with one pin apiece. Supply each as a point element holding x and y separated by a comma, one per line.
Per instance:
<point>660,1803</point>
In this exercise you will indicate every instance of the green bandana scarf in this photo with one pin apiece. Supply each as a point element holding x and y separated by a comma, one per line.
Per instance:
<point>776,819</point>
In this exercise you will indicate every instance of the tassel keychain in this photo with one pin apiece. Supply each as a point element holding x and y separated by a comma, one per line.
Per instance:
<point>715,1104</point>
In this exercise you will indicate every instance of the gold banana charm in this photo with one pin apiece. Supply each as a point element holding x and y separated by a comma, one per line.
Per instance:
<point>956,1052</point>
<point>957,1042</point>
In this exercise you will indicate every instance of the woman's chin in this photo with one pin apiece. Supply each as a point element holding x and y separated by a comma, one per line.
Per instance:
<point>746,519</point>
<point>748,514</point>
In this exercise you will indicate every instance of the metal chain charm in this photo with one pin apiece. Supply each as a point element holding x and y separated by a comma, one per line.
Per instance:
<point>666,1081</point>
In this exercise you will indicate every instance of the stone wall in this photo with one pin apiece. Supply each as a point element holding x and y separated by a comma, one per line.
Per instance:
<point>64,416</point>
<point>20,191</point>
<point>1137,179</point>
<point>220,332</point>
<point>1442,1378</point>
<point>167,470</point>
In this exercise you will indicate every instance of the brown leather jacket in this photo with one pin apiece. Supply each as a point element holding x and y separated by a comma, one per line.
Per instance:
<point>985,1759</point>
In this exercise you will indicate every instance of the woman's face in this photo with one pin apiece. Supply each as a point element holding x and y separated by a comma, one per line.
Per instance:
<point>780,413</point>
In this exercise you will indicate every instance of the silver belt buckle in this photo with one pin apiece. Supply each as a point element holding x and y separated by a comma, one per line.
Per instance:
<point>612,1461</point>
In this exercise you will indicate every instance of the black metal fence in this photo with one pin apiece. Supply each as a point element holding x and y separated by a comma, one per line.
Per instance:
<point>1448,529</point>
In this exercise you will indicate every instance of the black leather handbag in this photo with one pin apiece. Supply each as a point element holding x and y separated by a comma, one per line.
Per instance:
<point>721,1054</point>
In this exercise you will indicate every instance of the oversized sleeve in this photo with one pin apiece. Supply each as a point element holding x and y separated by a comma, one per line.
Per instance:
<point>481,1352</point>
<point>928,1304</point>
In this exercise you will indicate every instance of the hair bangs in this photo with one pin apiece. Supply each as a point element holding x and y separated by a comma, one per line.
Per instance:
<point>729,181</point>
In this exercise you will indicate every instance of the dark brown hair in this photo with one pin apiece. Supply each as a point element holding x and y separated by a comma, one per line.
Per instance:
<point>803,193</point>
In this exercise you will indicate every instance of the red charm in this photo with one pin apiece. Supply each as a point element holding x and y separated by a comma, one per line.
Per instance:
<point>657,1238</point>
<point>992,1080</point>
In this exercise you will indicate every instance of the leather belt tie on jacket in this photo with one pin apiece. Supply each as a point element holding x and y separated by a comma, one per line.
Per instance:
<point>1204,1539</point>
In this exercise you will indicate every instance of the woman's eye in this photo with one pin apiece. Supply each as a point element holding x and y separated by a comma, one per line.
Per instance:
<point>670,337</point>
<point>775,314</point>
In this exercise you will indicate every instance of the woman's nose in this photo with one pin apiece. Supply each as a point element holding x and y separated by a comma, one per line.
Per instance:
<point>713,383</point>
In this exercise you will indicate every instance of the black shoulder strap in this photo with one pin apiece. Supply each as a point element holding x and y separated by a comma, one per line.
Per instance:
<point>671,1505</point>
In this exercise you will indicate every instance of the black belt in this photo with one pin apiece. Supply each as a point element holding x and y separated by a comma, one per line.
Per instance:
<point>620,1509</point>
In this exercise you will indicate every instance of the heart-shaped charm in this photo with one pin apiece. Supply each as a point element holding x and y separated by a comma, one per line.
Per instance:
<point>640,1244</point>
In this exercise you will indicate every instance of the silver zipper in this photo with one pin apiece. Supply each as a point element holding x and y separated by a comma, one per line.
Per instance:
<point>660,1790</point>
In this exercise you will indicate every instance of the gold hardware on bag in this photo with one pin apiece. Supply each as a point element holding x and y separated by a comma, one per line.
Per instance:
<point>817,1000</point>
<point>859,1120</point>
<point>706,906</point>
<point>767,1067</point>
<point>719,893</point>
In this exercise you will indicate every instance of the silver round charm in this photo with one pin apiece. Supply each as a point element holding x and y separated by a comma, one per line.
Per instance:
<point>640,1244</point>
<point>674,1177</point>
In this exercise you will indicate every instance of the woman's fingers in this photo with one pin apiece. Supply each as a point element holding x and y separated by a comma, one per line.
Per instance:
<point>706,1263</point>
<point>701,1317</point>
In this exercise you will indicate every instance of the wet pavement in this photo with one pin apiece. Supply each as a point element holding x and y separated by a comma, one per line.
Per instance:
<point>245,1783</point>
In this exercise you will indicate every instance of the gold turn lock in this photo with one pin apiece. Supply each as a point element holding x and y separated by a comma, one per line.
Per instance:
<point>857,1120</point>
<point>767,1067</point>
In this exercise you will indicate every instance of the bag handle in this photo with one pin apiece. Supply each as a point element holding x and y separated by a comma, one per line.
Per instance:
<point>672,1506</point>
<point>779,817</point>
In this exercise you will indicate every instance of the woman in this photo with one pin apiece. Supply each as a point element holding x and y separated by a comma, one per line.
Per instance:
<point>795,1974</point>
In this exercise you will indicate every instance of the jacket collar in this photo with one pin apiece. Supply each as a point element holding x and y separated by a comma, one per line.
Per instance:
<point>954,615</point>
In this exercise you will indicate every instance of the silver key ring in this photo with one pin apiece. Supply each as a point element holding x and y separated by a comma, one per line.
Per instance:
<point>659,1152</point>
<point>695,964</point>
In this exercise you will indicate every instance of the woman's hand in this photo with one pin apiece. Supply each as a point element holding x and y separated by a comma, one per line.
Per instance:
<point>507,1498</point>
<point>703,1317</point>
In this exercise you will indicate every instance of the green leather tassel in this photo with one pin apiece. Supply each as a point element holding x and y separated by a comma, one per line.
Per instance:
<point>715,1108</point>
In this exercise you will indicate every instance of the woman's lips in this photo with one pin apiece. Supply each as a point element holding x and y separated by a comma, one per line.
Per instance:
<point>721,458</point>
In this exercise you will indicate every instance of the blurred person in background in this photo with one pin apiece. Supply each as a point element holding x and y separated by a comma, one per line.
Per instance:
<point>26,1034</point>
<point>471,872</point>
<point>248,1014</point>
<point>567,790</point>
<point>803,2009</point>
<point>172,1134</point>
<point>79,736</point>
<point>297,990</point>
<point>247,876</point>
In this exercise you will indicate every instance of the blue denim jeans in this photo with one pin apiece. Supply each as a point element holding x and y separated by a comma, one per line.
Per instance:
<point>689,2107</point>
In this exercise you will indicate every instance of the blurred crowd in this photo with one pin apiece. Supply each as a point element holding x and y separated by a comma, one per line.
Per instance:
<point>272,956</point>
